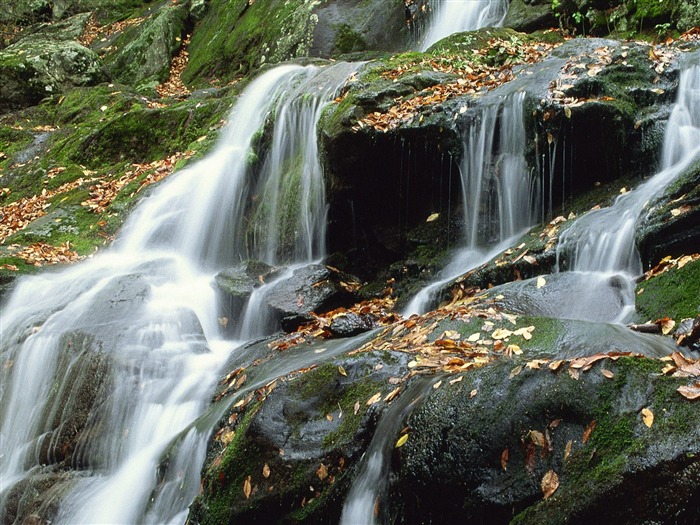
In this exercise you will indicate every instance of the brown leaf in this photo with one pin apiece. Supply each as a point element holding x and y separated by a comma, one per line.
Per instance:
<point>587,433</point>
<point>550,483</point>
<point>266,471</point>
<point>374,399</point>
<point>322,472</point>
<point>247,488</point>
<point>530,457</point>
<point>537,437</point>
<point>504,459</point>
<point>647,417</point>
<point>567,451</point>
<point>356,408</point>
<point>690,391</point>
<point>607,373</point>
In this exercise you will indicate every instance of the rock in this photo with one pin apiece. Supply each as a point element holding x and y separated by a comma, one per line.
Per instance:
<point>144,52</point>
<point>314,288</point>
<point>308,432</point>
<point>350,324</point>
<point>672,224</point>
<point>529,16</point>
<point>688,333</point>
<point>482,457</point>
<point>236,284</point>
<point>35,68</point>
<point>235,37</point>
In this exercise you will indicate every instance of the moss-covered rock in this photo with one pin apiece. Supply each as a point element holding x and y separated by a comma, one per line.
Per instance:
<point>143,53</point>
<point>672,224</point>
<point>674,293</point>
<point>33,69</point>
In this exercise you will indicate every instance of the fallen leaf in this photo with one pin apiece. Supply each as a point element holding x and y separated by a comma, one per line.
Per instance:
<point>690,391</point>
<point>587,433</point>
<point>474,337</point>
<point>356,408</point>
<point>501,333</point>
<point>266,471</point>
<point>647,417</point>
<point>550,483</point>
<point>554,365</point>
<point>504,459</point>
<point>567,450</point>
<point>391,395</point>
<point>437,385</point>
<point>456,380</point>
<point>322,472</point>
<point>432,217</point>
<point>537,437</point>
<point>342,371</point>
<point>607,373</point>
<point>515,372</point>
<point>473,393</point>
<point>247,488</point>
<point>402,441</point>
<point>541,282</point>
<point>374,399</point>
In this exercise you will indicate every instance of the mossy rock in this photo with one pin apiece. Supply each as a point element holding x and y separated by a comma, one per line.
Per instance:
<point>454,465</point>
<point>144,51</point>
<point>672,223</point>
<point>674,293</point>
<point>34,69</point>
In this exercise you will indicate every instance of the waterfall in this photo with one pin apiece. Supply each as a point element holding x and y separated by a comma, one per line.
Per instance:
<point>454,16</point>
<point>107,361</point>
<point>497,191</point>
<point>363,501</point>
<point>598,250</point>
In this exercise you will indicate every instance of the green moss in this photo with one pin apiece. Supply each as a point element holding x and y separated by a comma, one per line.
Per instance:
<point>348,40</point>
<point>674,294</point>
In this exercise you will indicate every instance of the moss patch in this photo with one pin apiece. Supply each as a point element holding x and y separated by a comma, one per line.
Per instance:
<point>674,293</point>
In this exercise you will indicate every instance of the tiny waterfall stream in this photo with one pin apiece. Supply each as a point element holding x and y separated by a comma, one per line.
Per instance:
<point>135,329</point>
<point>453,16</point>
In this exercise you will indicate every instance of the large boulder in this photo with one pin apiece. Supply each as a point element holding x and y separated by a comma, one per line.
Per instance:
<point>236,37</point>
<point>36,67</point>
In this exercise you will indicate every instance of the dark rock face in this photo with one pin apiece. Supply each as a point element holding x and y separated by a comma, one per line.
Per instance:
<point>672,224</point>
<point>311,289</point>
<point>482,458</point>
<point>236,284</point>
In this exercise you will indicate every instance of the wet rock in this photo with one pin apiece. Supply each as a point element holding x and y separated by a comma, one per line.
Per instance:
<point>314,288</point>
<point>236,284</point>
<point>482,458</point>
<point>688,333</point>
<point>297,448</point>
<point>672,224</point>
<point>350,324</point>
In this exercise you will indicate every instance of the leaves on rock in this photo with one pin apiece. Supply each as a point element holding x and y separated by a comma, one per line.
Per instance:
<point>550,483</point>
<point>402,441</point>
<point>588,431</point>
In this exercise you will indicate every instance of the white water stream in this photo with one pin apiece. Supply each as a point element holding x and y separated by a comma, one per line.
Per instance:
<point>498,195</point>
<point>454,16</point>
<point>597,253</point>
<point>135,330</point>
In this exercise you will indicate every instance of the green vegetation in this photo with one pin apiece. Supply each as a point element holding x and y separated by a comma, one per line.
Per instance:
<point>674,293</point>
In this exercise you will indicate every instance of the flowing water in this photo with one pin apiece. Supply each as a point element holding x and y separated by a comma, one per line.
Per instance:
<point>498,194</point>
<point>598,251</point>
<point>105,363</point>
<point>453,16</point>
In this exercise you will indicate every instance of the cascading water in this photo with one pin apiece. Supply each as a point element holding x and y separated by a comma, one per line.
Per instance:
<point>497,191</point>
<point>106,362</point>
<point>598,251</point>
<point>453,16</point>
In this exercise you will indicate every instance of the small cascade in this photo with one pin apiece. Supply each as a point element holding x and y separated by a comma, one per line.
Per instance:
<point>598,250</point>
<point>363,501</point>
<point>454,16</point>
<point>497,191</point>
<point>108,361</point>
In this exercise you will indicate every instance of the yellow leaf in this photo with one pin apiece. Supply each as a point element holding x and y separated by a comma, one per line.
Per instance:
<point>474,337</point>
<point>342,371</point>
<point>247,488</point>
<point>607,373</point>
<point>374,399</point>
<point>501,333</point>
<point>402,441</point>
<point>432,217</point>
<point>550,483</point>
<point>567,450</point>
<point>322,472</point>
<point>537,437</point>
<point>266,471</point>
<point>647,417</point>
<point>541,282</point>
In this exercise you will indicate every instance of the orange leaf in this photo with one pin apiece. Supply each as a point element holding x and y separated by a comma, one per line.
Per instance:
<point>247,488</point>
<point>587,433</point>
<point>647,417</point>
<point>504,459</point>
<point>690,391</point>
<point>550,483</point>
